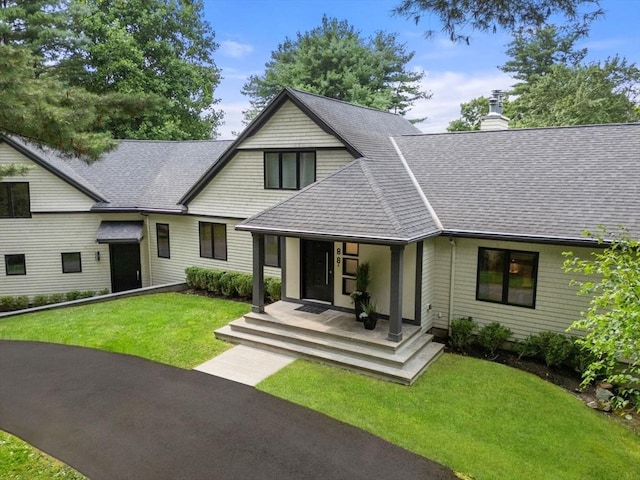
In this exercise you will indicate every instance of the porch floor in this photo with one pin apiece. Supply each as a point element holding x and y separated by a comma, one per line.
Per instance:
<point>336,338</point>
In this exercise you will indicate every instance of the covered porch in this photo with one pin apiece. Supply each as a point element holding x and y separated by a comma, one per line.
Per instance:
<point>331,336</point>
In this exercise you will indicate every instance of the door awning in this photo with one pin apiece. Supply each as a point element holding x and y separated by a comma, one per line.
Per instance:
<point>119,232</point>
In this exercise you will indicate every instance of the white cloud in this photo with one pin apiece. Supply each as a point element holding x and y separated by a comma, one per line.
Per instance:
<point>233,49</point>
<point>450,89</point>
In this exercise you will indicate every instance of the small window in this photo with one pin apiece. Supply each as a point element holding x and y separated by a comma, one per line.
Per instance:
<point>289,170</point>
<point>348,285</point>
<point>71,262</point>
<point>15,264</point>
<point>350,248</point>
<point>14,200</point>
<point>350,267</point>
<point>162,236</point>
<point>272,251</point>
<point>213,240</point>
<point>507,276</point>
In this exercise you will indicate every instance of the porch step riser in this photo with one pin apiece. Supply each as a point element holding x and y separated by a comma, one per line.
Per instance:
<point>329,344</point>
<point>269,322</point>
<point>405,375</point>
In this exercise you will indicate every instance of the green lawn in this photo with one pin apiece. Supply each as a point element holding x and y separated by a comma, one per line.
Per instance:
<point>483,419</point>
<point>170,328</point>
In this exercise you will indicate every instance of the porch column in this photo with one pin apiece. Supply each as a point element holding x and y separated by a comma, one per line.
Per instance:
<point>258,273</point>
<point>395,302</point>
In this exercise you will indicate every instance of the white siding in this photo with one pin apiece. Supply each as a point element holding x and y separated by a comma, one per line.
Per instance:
<point>43,238</point>
<point>557,304</point>
<point>48,192</point>
<point>237,191</point>
<point>184,241</point>
<point>290,127</point>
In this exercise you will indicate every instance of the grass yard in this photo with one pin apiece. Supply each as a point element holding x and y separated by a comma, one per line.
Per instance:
<point>171,328</point>
<point>482,419</point>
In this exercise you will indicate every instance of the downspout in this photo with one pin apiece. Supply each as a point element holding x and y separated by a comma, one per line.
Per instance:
<point>452,271</point>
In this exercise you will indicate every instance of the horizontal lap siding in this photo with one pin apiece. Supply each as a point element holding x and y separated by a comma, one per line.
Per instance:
<point>290,127</point>
<point>441,276</point>
<point>557,304</point>
<point>237,191</point>
<point>48,193</point>
<point>43,238</point>
<point>428,278</point>
<point>185,249</point>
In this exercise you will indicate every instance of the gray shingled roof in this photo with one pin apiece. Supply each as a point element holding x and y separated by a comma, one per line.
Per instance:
<point>120,232</point>
<point>351,203</point>
<point>138,174</point>
<point>549,182</point>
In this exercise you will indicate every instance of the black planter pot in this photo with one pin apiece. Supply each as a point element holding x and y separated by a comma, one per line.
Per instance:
<point>370,322</point>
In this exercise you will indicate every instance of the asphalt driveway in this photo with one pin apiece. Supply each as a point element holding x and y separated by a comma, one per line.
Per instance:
<point>115,416</point>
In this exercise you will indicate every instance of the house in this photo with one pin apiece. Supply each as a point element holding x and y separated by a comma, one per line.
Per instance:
<point>455,224</point>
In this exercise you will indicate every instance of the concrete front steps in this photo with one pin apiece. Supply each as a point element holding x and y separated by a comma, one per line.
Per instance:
<point>339,341</point>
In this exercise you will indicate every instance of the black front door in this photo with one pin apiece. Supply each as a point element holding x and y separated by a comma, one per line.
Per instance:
<point>125,266</point>
<point>317,270</point>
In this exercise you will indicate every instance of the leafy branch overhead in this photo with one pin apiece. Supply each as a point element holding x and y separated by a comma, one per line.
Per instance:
<point>460,16</point>
<point>334,60</point>
<point>76,75</point>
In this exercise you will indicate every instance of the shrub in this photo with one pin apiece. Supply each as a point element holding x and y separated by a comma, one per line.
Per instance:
<point>243,284</point>
<point>40,300</point>
<point>492,336</point>
<point>56,298</point>
<point>462,330</point>
<point>212,280</point>
<point>104,291</point>
<point>227,284</point>
<point>552,347</point>
<point>273,288</point>
<point>9,303</point>
<point>87,294</point>
<point>72,295</point>
<point>190,276</point>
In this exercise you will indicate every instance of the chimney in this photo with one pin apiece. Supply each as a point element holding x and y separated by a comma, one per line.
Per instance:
<point>495,120</point>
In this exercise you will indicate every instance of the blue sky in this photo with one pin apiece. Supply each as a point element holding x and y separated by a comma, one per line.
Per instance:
<point>249,30</point>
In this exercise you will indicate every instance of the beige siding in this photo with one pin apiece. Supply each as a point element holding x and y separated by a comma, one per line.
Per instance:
<point>48,193</point>
<point>428,283</point>
<point>237,191</point>
<point>290,127</point>
<point>184,244</point>
<point>293,280</point>
<point>43,238</point>
<point>557,304</point>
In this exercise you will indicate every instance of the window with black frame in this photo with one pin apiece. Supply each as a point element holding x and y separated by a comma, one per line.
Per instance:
<point>507,276</point>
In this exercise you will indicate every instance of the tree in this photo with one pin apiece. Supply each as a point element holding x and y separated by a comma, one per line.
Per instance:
<point>46,111</point>
<point>470,115</point>
<point>590,94</point>
<point>159,48</point>
<point>334,60</point>
<point>612,323</point>
<point>489,15</point>
<point>558,88</point>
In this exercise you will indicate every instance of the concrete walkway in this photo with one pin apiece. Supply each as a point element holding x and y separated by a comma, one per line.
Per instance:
<point>114,416</point>
<point>244,364</point>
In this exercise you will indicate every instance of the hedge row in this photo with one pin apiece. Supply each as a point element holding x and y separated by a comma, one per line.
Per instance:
<point>10,303</point>
<point>230,284</point>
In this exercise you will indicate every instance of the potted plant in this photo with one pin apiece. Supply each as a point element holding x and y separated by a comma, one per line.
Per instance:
<point>369,315</point>
<point>361,296</point>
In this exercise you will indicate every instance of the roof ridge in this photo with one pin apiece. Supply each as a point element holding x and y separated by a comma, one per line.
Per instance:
<point>377,191</point>
<point>416,184</point>
<point>523,129</point>
<point>344,102</point>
